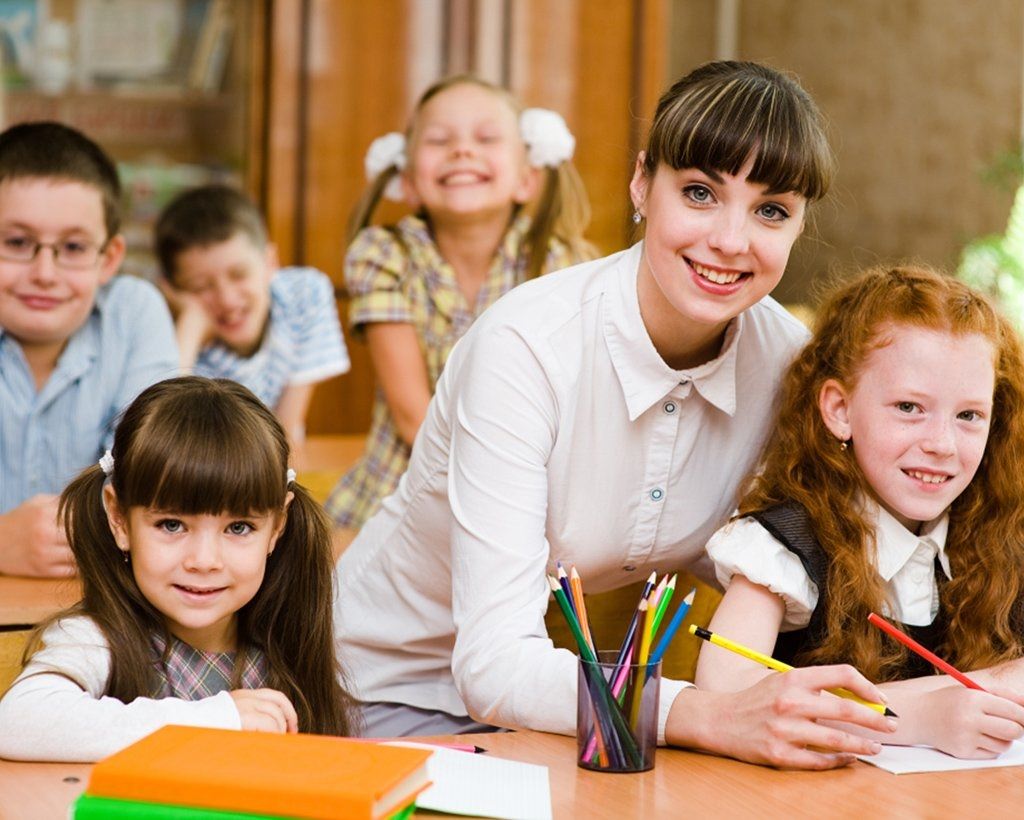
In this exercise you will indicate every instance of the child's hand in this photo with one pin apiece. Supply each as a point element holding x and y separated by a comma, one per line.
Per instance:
<point>971,724</point>
<point>192,324</point>
<point>32,542</point>
<point>265,710</point>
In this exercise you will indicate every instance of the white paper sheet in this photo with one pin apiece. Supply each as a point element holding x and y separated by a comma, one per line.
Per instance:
<point>477,784</point>
<point>913,759</point>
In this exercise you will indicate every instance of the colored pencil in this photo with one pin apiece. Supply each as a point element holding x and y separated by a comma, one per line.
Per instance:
<point>625,651</point>
<point>929,656</point>
<point>673,625</point>
<point>645,649</point>
<point>576,585</point>
<point>663,602</point>
<point>779,666</point>
<point>563,580</point>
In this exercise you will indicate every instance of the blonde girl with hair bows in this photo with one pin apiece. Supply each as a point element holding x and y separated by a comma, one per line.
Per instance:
<point>206,588</point>
<point>497,201</point>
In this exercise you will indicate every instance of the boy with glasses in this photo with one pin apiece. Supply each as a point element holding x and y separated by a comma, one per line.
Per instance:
<point>76,344</point>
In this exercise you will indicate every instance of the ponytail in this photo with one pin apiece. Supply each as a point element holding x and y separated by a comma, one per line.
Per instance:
<point>362,213</point>
<point>111,598</point>
<point>562,212</point>
<point>291,620</point>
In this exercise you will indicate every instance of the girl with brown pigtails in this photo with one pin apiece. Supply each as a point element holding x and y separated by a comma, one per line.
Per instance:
<point>206,576</point>
<point>892,484</point>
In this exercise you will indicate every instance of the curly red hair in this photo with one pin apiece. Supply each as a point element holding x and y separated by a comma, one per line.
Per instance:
<point>803,462</point>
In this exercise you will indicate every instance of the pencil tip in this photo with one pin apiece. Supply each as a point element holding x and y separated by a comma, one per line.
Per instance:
<point>652,578</point>
<point>689,598</point>
<point>553,583</point>
<point>890,713</point>
<point>574,574</point>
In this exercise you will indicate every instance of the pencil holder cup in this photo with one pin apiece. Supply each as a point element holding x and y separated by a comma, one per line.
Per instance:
<point>617,714</point>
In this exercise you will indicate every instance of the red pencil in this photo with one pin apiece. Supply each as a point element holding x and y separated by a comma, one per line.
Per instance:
<point>931,657</point>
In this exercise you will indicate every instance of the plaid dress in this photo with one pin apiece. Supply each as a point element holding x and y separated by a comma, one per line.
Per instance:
<point>192,674</point>
<point>397,274</point>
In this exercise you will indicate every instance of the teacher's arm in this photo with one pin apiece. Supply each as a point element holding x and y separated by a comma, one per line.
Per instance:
<point>504,423</point>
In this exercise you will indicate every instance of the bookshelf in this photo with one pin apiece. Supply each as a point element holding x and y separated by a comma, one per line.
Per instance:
<point>168,87</point>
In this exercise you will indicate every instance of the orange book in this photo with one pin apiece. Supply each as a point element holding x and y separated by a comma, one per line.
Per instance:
<point>309,776</point>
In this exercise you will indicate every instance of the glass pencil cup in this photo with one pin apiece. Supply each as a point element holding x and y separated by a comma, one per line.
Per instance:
<point>617,714</point>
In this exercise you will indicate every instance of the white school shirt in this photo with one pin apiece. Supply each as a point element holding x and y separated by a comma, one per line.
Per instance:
<point>904,561</point>
<point>56,710</point>
<point>556,432</point>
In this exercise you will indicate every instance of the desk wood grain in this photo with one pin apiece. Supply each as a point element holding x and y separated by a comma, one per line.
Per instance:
<point>24,602</point>
<point>681,784</point>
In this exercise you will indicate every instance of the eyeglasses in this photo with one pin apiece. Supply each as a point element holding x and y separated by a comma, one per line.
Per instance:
<point>75,254</point>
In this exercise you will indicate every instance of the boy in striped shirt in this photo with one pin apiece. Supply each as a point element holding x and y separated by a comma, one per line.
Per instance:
<point>240,317</point>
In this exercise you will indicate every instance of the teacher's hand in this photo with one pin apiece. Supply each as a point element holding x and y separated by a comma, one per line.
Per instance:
<point>779,720</point>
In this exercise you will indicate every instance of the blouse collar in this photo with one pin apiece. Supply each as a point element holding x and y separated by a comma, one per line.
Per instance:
<point>644,376</point>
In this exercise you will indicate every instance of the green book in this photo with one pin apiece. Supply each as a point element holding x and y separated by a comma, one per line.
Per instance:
<point>90,807</point>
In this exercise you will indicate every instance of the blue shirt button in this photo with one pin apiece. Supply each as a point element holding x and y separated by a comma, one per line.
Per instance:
<point>657,494</point>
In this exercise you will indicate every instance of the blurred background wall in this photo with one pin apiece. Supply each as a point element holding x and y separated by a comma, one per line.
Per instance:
<point>284,96</point>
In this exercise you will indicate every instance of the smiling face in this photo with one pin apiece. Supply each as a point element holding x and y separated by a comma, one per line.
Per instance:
<point>197,570</point>
<point>918,416</point>
<point>42,304</point>
<point>466,157</point>
<point>231,279</point>
<point>714,244</point>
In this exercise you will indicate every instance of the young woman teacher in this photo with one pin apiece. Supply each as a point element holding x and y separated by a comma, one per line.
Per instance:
<point>605,416</point>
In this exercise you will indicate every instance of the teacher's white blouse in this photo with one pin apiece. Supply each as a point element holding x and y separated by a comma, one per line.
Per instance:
<point>557,432</point>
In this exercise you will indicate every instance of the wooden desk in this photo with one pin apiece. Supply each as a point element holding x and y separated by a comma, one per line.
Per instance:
<point>682,784</point>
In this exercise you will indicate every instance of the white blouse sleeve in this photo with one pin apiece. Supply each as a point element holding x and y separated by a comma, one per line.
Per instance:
<point>56,711</point>
<point>744,547</point>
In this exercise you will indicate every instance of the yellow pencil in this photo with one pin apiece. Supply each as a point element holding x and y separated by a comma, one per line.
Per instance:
<point>779,666</point>
<point>645,623</point>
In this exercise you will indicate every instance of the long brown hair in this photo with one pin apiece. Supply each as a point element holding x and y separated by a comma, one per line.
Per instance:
<point>803,462</point>
<point>199,446</point>
<point>561,211</point>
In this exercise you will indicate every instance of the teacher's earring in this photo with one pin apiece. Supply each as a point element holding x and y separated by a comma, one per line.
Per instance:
<point>637,217</point>
<point>843,445</point>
